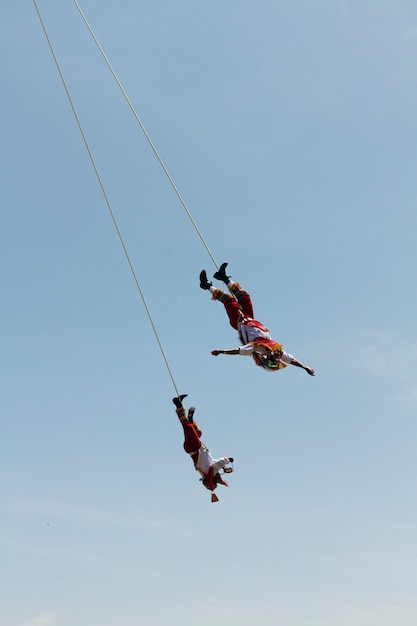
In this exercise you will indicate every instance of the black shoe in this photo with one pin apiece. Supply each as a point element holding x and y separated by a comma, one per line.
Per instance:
<point>204,283</point>
<point>191,412</point>
<point>231,459</point>
<point>221,274</point>
<point>178,401</point>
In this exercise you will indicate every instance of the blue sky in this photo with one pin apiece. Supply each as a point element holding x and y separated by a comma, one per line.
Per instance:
<point>290,130</point>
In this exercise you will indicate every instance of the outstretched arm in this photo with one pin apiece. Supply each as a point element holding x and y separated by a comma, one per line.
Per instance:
<point>221,463</point>
<point>297,363</point>
<point>216,352</point>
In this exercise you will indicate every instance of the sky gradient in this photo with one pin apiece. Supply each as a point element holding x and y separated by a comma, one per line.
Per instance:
<point>290,130</point>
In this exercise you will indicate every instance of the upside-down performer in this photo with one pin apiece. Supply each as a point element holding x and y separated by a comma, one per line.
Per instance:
<point>254,336</point>
<point>204,463</point>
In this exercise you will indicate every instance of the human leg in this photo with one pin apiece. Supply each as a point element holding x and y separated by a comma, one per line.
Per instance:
<point>182,415</point>
<point>192,442</point>
<point>242,296</point>
<point>230,304</point>
<point>180,411</point>
<point>186,419</point>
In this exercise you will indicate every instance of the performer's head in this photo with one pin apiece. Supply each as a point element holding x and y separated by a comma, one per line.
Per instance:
<point>268,358</point>
<point>211,482</point>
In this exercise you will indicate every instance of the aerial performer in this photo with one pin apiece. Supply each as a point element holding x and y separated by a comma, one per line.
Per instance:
<point>204,463</point>
<point>254,336</point>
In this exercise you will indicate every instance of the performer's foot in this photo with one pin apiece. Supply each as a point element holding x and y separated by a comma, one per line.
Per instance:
<point>191,412</point>
<point>178,401</point>
<point>221,274</point>
<point>204,283</point>
<point>231,459</point>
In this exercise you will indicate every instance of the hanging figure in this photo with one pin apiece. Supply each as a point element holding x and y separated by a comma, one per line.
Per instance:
<point>255,337</point>
<point>202,459</point>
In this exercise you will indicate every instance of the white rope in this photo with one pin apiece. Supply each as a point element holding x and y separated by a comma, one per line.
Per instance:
<point>105,196</point>
<point>181,199</point>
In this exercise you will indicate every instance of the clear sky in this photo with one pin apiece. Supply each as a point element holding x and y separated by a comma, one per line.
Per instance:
<point>290,129</point>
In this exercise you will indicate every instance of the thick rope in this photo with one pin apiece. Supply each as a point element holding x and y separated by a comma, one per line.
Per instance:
<point>105,197</point>
<point>181,199</point>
